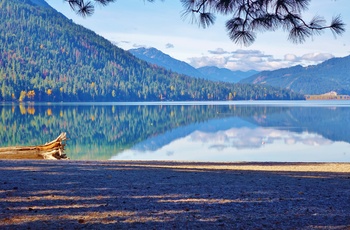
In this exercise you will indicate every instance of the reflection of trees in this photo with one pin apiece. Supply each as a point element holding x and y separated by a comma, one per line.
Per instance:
<point>332,123</point>
<point>106,130</point>
<point>103,131</point>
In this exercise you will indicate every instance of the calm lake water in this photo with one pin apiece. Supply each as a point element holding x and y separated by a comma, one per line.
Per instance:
<point>289,131</point>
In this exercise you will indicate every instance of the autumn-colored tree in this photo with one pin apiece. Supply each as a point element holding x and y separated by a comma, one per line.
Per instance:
<point>22,96</point>
<point>31,94</point>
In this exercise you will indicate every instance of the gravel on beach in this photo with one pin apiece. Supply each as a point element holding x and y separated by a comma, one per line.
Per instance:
<point>173,195</point>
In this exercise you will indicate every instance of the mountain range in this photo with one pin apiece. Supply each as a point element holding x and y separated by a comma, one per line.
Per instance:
<point>332,75</point>
<point>44,56</point>
<point>212,73</point>
<point>223,74</point>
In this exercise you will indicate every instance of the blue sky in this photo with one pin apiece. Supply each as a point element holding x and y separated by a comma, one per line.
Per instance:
<point>137,23</point>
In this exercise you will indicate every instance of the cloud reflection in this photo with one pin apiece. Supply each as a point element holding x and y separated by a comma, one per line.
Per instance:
<point>249,138</point>
<point>244,144</point>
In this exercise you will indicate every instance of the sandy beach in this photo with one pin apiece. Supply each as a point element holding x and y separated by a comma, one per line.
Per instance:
<point>173,195</point>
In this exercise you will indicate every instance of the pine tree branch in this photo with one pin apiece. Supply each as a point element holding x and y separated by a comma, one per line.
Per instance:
<point>248,16</point>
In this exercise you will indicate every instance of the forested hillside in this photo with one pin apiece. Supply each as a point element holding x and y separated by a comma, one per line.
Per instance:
<point>157,57</point>
<point>331,75</point>
<point>46,57</point>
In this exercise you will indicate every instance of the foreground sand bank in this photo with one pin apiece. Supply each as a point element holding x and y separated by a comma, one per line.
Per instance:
<point>173,195</point>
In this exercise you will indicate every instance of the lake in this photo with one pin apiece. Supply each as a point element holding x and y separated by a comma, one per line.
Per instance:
<point>280,131</point>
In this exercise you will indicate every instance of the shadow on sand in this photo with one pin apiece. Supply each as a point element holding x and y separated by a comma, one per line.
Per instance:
<point>169,195</point>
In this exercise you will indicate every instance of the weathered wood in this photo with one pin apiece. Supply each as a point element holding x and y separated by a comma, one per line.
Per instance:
<point>53,150</point>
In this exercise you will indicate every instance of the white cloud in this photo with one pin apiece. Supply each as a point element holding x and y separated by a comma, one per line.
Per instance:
<point>139,46</point>
<point>316,57</point>
<point>307,59</point>
<point>169,46</point>
<point>290,57</point>
<point>208,61</point>
<point>237,60</point>
<point>255,60</point>
<point>218,51</point>
<point>249,53</point>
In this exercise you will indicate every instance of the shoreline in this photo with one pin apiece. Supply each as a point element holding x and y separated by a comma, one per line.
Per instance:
<point>173,195</point>
<point>268,166</point>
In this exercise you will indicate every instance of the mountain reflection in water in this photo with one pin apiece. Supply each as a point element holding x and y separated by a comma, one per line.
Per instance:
<point>244,144</point>
<point>232,131</point>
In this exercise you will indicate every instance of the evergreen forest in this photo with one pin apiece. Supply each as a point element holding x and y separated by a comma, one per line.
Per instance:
<point>46,57</point>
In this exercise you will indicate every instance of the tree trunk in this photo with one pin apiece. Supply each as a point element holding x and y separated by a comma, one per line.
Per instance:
<point>53,150</point>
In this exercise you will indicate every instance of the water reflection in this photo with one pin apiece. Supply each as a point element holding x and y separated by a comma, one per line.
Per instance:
<point>245,144</point>
<point>214,132</point>
<point>247,138</point>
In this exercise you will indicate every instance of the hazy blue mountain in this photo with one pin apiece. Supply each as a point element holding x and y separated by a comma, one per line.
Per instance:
<point>157,57</point>
<point>212,73</point>
<point>331,75</point>
<point>222,74</point>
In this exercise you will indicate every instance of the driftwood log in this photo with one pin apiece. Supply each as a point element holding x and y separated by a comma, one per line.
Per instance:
<point>53,150</point>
